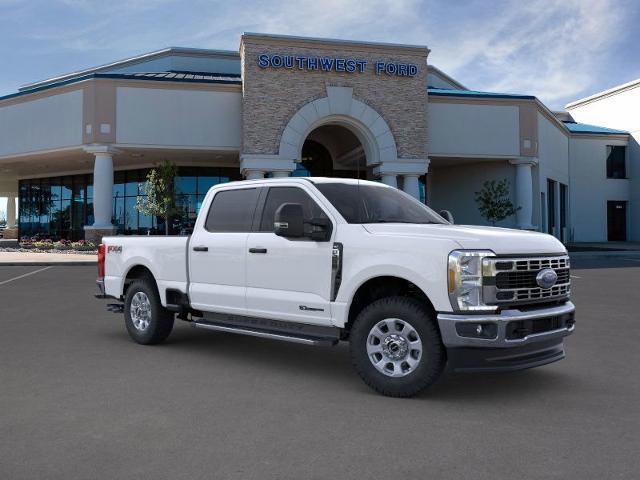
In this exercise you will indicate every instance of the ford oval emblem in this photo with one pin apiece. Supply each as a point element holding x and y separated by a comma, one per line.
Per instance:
<point>546,278</point>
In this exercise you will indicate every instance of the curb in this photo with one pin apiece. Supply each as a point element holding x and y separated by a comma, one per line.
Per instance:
<point>49,264</point>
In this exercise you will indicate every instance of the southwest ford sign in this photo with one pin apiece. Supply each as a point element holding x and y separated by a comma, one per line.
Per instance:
<point>335,64</point>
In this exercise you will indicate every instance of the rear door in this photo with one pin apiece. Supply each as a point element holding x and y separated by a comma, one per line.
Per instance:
<point>289,279</point>
<point>218,252</point>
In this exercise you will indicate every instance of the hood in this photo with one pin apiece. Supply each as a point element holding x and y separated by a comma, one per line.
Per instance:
<point>502,241</point>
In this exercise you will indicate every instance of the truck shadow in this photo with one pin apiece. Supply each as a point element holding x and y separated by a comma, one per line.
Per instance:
<point>333,366</point>
<point>483,387</point>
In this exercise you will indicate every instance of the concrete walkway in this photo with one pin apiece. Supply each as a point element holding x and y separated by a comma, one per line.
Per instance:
<point>36,259</point>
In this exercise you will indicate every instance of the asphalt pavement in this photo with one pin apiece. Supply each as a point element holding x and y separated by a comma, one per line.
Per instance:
<point>79,400</point>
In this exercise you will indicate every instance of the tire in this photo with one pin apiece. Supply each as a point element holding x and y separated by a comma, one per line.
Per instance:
<point>146,329</point>
<point>409,355</point>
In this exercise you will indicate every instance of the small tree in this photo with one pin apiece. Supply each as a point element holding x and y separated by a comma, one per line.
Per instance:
<point>160,200</point>
<point>493,201</point>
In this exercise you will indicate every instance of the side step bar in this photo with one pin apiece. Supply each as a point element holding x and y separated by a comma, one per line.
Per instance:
<point>254,332</point>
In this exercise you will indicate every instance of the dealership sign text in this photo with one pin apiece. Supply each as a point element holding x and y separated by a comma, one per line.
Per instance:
<point>331,64</point>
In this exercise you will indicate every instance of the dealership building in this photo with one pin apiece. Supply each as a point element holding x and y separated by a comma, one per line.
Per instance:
<point>75,150</point>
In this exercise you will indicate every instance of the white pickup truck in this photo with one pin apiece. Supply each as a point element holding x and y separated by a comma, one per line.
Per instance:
<point>319,260</point>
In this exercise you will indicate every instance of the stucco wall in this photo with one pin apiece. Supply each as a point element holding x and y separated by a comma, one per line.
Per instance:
<point>42,124</point>
<point>590,189</point>
<point>465,129</point>
<point>197,118</point>
<point>553,158</point>
<point>271,96</point>
<point>620,111</point>
<point>453,188</point>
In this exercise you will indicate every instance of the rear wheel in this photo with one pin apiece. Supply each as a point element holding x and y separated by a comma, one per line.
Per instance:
<point>147,321</point>
<point>396,347</point>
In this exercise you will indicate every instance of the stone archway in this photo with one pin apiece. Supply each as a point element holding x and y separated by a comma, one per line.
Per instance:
<point>340,108</point>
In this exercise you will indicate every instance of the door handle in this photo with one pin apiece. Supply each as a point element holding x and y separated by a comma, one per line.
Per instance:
<point>257,250</point>
<point>200,248</point>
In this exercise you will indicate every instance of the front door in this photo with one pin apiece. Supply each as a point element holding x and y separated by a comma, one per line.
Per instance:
<point>617,221</point>
<point>288,279</point>
<point>218,252</point>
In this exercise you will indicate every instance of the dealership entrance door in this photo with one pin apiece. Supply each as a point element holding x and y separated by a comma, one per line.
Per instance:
<point>333,150</point>
<point>617,221</point>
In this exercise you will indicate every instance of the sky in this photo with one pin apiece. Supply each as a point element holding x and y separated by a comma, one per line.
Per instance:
<point>558,50</point>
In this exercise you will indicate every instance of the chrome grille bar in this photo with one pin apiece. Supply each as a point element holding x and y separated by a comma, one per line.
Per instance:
<point>512,281</point>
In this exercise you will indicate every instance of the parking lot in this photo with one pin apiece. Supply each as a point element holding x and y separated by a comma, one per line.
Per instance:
<point>78,399</point>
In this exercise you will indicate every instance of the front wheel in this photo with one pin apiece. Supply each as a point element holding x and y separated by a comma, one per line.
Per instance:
<point>396,346</point>
<point>147,321</point>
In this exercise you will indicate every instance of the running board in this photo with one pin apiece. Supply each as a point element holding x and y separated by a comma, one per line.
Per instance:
<point>254,332</point>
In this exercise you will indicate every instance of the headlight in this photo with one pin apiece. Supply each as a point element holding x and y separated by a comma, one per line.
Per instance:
<point>465,279</point>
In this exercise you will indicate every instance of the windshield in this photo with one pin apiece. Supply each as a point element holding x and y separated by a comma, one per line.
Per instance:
<point>367,203</point>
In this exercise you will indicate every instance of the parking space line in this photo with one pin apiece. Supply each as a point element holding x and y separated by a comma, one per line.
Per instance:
<point>575,276</point>
<point>25,275</point>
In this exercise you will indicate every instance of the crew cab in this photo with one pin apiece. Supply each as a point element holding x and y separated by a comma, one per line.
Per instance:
<point>323,260</point>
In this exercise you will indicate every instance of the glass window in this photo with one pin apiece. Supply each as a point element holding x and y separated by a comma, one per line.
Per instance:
<point>131,185</point>
<point>205,183</point>
<point>616,161</point>
<point>118,184</point>
<point>118,214</point>
<point>279,195</point>
<point>366,203</point>
<point>232,211</point>
<point>145,223</point>
<point>79,186</point>
<point>551,206</point>
<point>563,205</point>
<point>130,215</point>
<point>67,188</point>
<point>186,185</point>
<point>90,186</point>
<point>65,216</point>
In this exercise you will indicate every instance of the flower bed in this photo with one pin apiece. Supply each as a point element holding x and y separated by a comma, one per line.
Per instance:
<point>40,245</point>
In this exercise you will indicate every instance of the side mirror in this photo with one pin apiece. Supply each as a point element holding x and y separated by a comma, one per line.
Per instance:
<point>320,229</point>
<point>447,215</point>
<point>289,221</point>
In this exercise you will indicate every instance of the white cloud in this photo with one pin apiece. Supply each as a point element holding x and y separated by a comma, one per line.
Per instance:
<point>553,49</point>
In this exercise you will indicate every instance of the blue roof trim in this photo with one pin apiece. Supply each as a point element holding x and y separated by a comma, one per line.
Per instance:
<point>445,92</point>
<point>226,79</point>
<point>575,127</point>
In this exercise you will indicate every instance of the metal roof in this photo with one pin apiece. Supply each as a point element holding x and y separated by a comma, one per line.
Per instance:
<point>445,92</point>
<point>175,75</point>
<point>575,127</point>
<point>186,77</point>
<point>132,61</point>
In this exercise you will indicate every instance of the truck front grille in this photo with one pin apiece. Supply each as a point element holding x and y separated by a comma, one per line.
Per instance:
<point>526,279</point>
<point>512,281</point>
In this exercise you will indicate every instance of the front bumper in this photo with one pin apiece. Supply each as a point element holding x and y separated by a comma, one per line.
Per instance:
<point>509,340</point>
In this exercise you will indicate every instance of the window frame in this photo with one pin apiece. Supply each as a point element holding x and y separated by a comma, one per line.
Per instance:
<point>262,203</point>
<point>205,220</point>
<point>609,149</point>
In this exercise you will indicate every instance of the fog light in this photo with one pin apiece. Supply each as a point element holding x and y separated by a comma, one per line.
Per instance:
<point>477,330</point>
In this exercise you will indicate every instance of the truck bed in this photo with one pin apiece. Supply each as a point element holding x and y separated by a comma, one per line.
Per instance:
<point>165,257</point>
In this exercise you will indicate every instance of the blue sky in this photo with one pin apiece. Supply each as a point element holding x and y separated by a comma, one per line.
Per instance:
<point>558,50</point>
